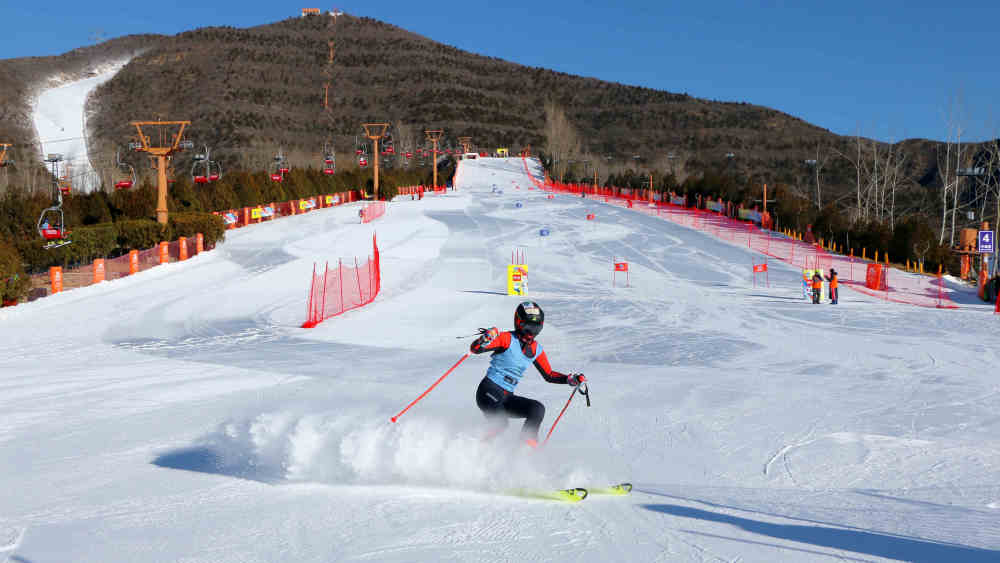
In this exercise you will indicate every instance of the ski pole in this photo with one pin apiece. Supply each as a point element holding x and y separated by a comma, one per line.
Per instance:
<point>481,332</point>
<point>585,392</point>
<point>429,389</point>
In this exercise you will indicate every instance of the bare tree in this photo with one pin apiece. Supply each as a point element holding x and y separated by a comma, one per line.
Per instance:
<point>947,173</point>
<point>879,172</point>
<point>562,139</point>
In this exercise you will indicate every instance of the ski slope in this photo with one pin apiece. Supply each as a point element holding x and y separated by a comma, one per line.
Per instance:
<point>182,415</point>
<point>60,120</point>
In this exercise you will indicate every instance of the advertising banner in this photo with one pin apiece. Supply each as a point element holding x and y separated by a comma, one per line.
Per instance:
<point>517,279</point>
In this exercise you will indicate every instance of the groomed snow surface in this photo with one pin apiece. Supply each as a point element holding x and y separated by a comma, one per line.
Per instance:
<point>61,124</point>
<point>182,415</point>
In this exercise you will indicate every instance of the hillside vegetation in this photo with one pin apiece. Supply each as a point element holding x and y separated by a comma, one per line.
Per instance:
<point>252,92</point>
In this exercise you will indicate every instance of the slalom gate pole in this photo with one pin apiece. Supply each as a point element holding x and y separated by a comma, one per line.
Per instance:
<point>585,392</point>
<point>429,389</point>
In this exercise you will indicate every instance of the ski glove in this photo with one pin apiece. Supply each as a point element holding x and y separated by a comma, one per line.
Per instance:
<point>487,335</point>
<point>575,379</point>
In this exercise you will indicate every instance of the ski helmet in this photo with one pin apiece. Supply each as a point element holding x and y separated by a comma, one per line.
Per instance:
<point>528,319</point>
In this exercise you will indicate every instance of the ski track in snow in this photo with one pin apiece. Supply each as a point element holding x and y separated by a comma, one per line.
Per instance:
<point>182,415</point>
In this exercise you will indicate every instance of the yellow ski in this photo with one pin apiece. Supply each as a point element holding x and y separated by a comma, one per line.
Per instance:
<point>565,495</point>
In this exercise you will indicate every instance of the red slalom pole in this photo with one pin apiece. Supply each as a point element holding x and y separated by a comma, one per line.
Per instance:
<point>429,389</point>
<point>566,406</point>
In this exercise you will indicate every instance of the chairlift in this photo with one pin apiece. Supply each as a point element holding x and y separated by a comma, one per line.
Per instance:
<point>280,168</point>
<point>205,159</point>
<point>362,162</point>
<point>52,227</point>
<point>52,222</point>
<point>125,167</point>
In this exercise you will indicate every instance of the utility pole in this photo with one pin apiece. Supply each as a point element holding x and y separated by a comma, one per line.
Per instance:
<point>166,146</point>
<point>375,131</point>
<point>434,136</point>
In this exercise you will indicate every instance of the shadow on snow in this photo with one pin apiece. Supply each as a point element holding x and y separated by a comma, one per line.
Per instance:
<point>858,541</point>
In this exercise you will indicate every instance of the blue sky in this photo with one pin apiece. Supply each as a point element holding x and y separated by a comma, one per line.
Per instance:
<point>888,69</point>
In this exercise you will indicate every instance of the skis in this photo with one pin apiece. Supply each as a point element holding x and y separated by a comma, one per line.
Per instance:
<point>575,494</point>
<point>57,244</point>
<point>565,495</point>
<point>621,489</point>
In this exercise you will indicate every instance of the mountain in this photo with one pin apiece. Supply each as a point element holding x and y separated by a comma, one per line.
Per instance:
<point>250,92</point>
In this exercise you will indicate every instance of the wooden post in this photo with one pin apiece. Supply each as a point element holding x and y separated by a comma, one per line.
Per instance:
<point>199,243</point>
<point>182,248</point>
<point>164,252</point>
<point>98,270</point>
<point>133,262</point>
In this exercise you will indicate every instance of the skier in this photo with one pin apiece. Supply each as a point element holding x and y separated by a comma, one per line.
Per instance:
<point>817,287</point>
<point>513,351</point>
<point>832,278</point>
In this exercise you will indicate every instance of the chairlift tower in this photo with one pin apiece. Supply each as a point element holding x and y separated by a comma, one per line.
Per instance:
<point>53,160</point>
<point>434,136</point>
<point>375,131</point>
<point>466,142</point>
<point>166,145</point>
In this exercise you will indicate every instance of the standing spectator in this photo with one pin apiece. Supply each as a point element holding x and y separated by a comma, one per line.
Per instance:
<point>817,287</point>
<point>832,278</point>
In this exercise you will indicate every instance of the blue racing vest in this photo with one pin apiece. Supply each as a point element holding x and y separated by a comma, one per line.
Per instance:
<point>507,367</point>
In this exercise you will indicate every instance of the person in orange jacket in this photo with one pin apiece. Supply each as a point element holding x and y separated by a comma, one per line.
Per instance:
<point>817,287</point>
<point>832,278</point>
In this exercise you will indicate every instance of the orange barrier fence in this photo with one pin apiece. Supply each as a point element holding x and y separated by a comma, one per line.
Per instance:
<point>418,192</point>
<point>335,291</point>
<point>103,269</point>
<point>889,284</point>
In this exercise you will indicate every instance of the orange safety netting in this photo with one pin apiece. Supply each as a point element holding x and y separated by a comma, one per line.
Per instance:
<point>342,288</point>
<point>891,284</point>
<point>372,211</point>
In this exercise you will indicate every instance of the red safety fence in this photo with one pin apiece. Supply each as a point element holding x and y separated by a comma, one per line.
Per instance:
<point>342,288</point>
<point>893,285</point>
<point>372,211</point>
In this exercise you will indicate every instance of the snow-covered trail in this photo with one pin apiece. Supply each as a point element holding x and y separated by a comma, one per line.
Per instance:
<point>60,119</point>
<point>182,415</point>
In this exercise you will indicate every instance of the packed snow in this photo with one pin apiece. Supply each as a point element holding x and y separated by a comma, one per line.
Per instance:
<point>182,415</point>
<point>60,120</point>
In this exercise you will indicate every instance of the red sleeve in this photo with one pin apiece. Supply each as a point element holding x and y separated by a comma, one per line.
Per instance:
<point>543,367</point>
<point>499,344</point>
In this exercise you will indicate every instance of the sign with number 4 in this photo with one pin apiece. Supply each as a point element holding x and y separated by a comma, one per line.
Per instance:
<point>986,242</point>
